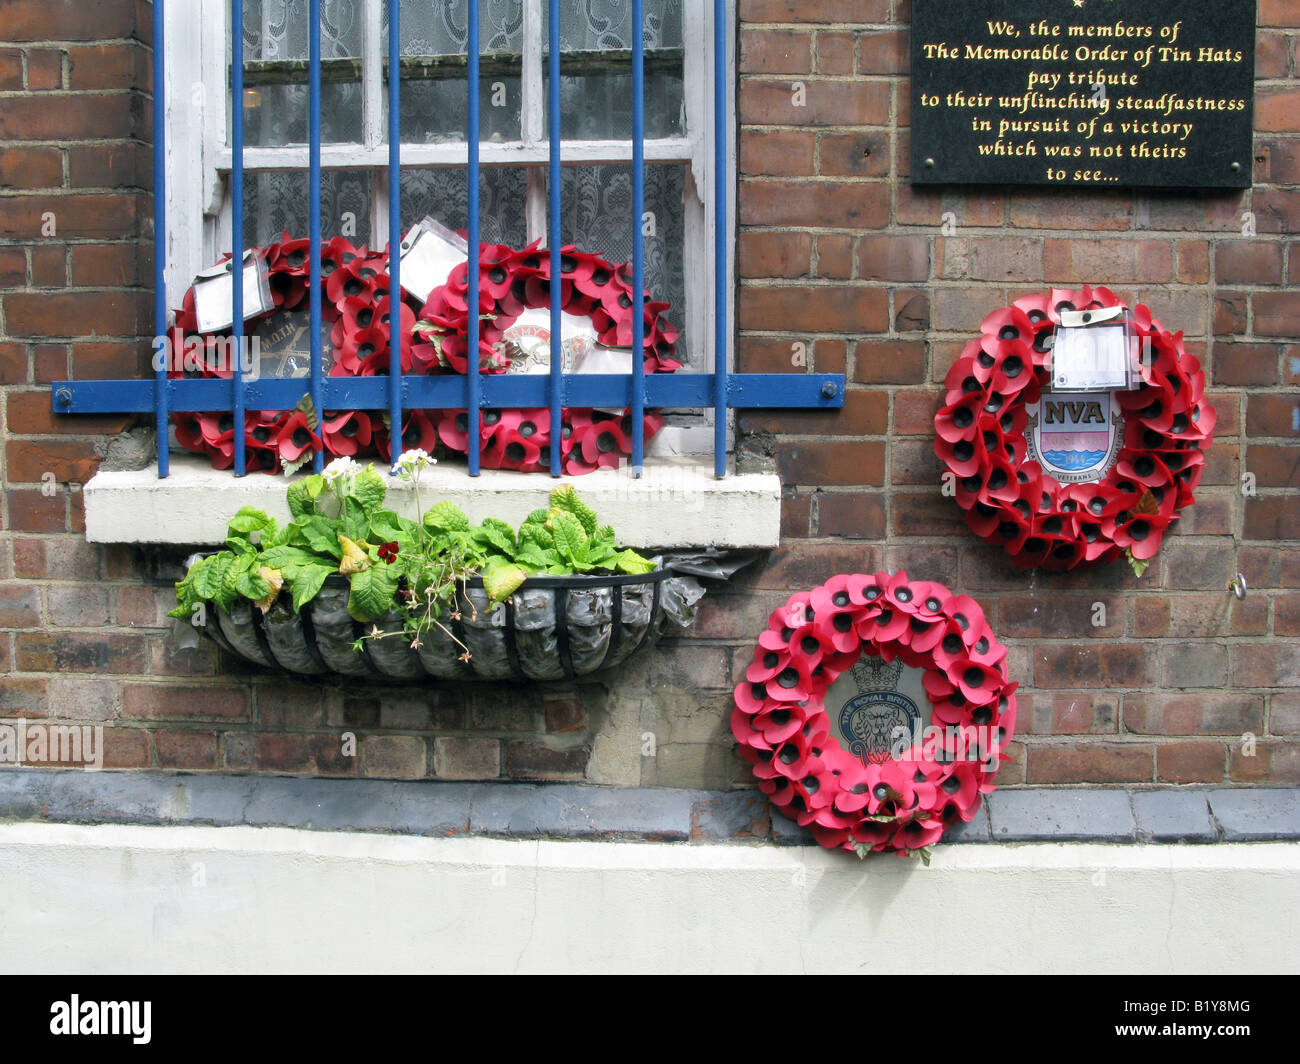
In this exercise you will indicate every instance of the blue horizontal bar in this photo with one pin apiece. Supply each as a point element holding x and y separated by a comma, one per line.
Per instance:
<point>451,392</point>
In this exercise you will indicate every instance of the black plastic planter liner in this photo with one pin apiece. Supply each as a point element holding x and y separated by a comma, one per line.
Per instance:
<point>551,628</point>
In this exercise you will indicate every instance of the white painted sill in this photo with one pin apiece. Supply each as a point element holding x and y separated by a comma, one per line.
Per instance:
<point>677,502</point>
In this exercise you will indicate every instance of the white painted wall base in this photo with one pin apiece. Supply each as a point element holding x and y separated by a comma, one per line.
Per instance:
<point>195,899</point>
<point>676,502</point>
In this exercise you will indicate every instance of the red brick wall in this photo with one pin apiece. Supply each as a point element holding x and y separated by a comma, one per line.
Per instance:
<point>836,252</point>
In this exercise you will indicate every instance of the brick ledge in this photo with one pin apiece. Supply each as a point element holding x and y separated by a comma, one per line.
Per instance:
<point>580,811</point>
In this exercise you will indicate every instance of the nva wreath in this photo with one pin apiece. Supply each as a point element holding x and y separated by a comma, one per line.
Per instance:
<point>906,802</point>
<point>433,341</point>
<point>1011,501</point>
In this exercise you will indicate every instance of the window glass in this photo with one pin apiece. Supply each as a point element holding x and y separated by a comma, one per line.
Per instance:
<point>275,201</point>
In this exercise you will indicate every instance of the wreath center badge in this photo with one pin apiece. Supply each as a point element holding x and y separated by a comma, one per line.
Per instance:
<point>1068,441</point>
<point>873,769</point>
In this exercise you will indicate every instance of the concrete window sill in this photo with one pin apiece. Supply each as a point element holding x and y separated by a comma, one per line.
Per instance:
<point>676,503</point>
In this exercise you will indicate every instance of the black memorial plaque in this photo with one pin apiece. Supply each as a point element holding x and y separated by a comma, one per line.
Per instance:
<point>1091,93</point>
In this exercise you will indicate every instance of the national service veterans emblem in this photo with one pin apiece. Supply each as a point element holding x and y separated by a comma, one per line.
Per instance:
<point>871,721</point>
<point>1074,436</point>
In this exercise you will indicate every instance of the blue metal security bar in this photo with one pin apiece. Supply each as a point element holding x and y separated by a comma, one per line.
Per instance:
<point>476,392</point>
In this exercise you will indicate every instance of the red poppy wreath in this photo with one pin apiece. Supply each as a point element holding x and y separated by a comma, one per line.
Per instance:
<point>932,777</point>
<point>355,309</point>
<point>1153,456</point>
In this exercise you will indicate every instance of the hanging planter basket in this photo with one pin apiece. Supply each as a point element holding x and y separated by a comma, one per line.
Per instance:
<point>551,628</point>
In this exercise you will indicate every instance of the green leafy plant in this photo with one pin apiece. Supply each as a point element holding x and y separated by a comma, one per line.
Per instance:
<point>340,525</point>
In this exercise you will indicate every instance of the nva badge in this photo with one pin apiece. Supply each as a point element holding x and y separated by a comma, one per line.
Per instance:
<point>1075,436</point>
<point>874,709</point>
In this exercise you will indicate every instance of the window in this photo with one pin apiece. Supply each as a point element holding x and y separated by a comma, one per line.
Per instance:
<point>596,125</point>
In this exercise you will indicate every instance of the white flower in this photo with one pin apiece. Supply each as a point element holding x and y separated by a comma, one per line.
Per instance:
<point>409,463</point>
<point>340,467</point>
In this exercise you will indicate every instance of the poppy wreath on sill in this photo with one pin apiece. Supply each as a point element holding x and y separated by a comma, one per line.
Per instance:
<point>1011,501</point>
<point>781,724</point>
<point>511,282</point>
<point>355,306</point>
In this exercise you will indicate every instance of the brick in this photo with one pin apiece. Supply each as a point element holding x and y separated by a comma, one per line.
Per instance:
<point>80,652</point>
<point>776,153</point>
<point>169,702</point>
<point>60,557</point>
<point>863,414</point>
<point>1194,665</point>
<point>1151,616</point>
<point>1276,314</point>
<point>894,258</point>
<point>835,256</point>
<point>1276,109</point>
<point>1272,55</point>
<point>49,267</point>
<point>822,308</point>
<point>1071,666</point>
<point>287,752</point>
<point>1162,210</point>
<point>110,166</point>
<point>109,265</point>
<point>285,705</point>
<point>1272,517</point>
<point>926,515</point>
<point>829,464</point>
<point>29,413</point>
<point>20,605</point>
<point>24,696</point>
<point>77,606</point>
<point>564,714</point>
<point>1118,261</point>
<point>884,52</point>
<point>1208,713</point>
<point>889,362</point>
<point>1284,713</point>
<point>1230,313</point>
<point>1253,365</point>
<point>1190,762</point>
<point>77,117</point>
<point>1272,415</point>
<point>108,66</point>
<point>856,516</point>
<point>84,313</point>
<point>457,758</point>
<point>536,762</point>
<point>1110,763</point>
<point>126,748</point>
<point>1266,665</point>
<point>913,462</point>
<point>768,254</point>
<point>49,363</point>
<point>186,749</point>
<point>775,51</point>
<point>850,11</point>
<point>11,70</point>
<point>96,216</point>
<point>1271,762</point>
<point>1066,713</point>
<point>1196,566</point>
<point>1097,211</point>
<point>1248,262</point>
<point>44,69</point>
<point>31,168</point>
<point>835,53</point>
<point>38,20</point>
<point>110,360</point>
<point>914,412</point>
<point>394,756</point>
<point>770,102</point>
<point>1028,616</point>
<point>815,204</point>
<point>912,310</point>
<point>764,354</point>
<point>796,511</point>
<point>83,697</point>
<point>71,461</point>
<point>1275,466</point>
<point>13,364</point>
<point>962,309</point>
<point>34,511</point>
<point>1193,261</point>
<point>862,153</point>
<point>13,267</point>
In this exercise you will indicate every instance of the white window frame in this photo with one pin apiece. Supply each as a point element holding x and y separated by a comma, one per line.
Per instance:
<point>200,158</point>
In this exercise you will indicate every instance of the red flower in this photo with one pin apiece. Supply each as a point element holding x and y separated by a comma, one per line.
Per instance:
<point>388,552</point>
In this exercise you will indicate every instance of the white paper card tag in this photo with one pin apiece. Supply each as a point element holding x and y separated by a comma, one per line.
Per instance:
<point>430,251</point>
<point>213,292</point>
<point>1090,359</point>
